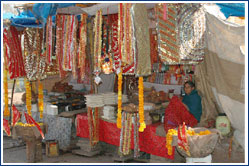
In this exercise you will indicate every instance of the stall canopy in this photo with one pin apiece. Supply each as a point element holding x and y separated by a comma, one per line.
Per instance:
<point>232,9</point>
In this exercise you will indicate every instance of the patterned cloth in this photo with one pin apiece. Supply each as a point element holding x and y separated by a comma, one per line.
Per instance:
<point>59,128</point>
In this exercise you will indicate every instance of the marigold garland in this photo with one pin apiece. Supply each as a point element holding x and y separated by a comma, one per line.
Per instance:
<point>6,102</point>
<point>40,98</point>
<point>119,125</point>
<point>141,104</point>
<point>173,132</point>
<point>28,96</point>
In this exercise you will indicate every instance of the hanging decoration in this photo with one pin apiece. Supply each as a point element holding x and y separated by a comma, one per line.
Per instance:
<point>35,64</point>
<point>97,45</point>
<point>153,48</point>
<point>142,39</point>
<point>5,86</point>
<point>32,122</point>
<point>49,41</point>
<point>141,104</point>
<point>6,127</point>
<point>93,123</point>
<point>60,32</point>
<point>136,135</point>
<point>66,47</point>
<point>106,47</point>
<point>82,46</point>
<point>40,98</point>
<point>16,115</point>
<point>28,96</point>
<point>182,138</point>
<point>119,116</point>
<point>191,29</point>
<point>126,39</point>
<point>125,136</point>
<point>168,44</point>
<point>114,19</point>
<point>13,53</point>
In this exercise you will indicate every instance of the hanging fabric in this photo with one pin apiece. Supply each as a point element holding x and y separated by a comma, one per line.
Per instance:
<point>168,45</point>
<point>6,127</point>
<point>49,41</point>
<point>35,64</point>
<point>13,53</point>
<point>191,28</point>
<point>82,46</point>
<point>142,37</point>
<point>66,47</point>
<point>16,115</point>
<point>30,120</point>
<point>97,40</point>
<point>126,39</point>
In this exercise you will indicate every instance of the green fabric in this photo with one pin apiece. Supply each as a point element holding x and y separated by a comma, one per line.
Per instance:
<point>193,101</point>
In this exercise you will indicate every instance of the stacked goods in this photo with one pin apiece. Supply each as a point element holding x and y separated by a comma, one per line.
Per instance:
<point>94,100</point>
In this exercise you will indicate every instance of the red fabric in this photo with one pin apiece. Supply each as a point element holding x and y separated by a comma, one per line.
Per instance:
<point>176,113</point>
<point>16,115</point>
<point>30,120</point>
<point>6,127</point>
<point>149,142</point>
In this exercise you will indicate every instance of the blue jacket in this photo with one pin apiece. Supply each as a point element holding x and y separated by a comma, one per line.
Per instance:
<point>193,101</point>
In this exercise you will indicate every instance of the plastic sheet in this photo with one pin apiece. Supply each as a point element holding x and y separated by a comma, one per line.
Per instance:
<point>149,142</point>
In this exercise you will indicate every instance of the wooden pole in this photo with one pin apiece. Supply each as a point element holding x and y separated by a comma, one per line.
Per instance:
<point>11,102</point>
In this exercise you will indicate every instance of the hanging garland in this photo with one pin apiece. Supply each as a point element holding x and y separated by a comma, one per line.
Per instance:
<point>28,96</point>
<point>49,41</point>
<point>141,104</point>
<point>125,136</point>
<point>119,116</point>
<point>40,98</point>
<point>13,53</point>
<point>93,123</point>
<point>82,46</point>
<point>66,47</point>
<point>60,30</point>
<point>97,41</point>
<point>5,86</point>
<point>35,64</point>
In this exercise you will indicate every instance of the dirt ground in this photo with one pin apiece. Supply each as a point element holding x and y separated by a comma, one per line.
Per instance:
<point>14,151</point>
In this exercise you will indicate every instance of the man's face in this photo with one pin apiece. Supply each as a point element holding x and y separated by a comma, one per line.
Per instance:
<point>188,89</point>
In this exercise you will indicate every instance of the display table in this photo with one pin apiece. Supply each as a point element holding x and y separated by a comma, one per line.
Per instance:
<point>149,142</point>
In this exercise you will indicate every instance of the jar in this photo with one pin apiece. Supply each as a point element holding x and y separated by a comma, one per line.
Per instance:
<point>223,124</point>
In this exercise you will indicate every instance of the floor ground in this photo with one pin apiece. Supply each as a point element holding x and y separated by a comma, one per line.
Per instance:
<point>15,152</point>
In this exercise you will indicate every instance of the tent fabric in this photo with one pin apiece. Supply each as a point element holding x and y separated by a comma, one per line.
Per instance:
<point>219,78</point>
<point>232,9</point>
<point>42,10</point>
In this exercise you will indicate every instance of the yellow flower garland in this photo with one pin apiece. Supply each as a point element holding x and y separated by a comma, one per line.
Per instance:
<point>28,96</point>
<point>6,102</point>
<point>141,104</point>
<point>119,118</point>
<point>40,98</point>
<point>171,132</point>
<point>28,125</point>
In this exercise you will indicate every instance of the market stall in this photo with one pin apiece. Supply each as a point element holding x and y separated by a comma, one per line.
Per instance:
<point>116,73</point>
